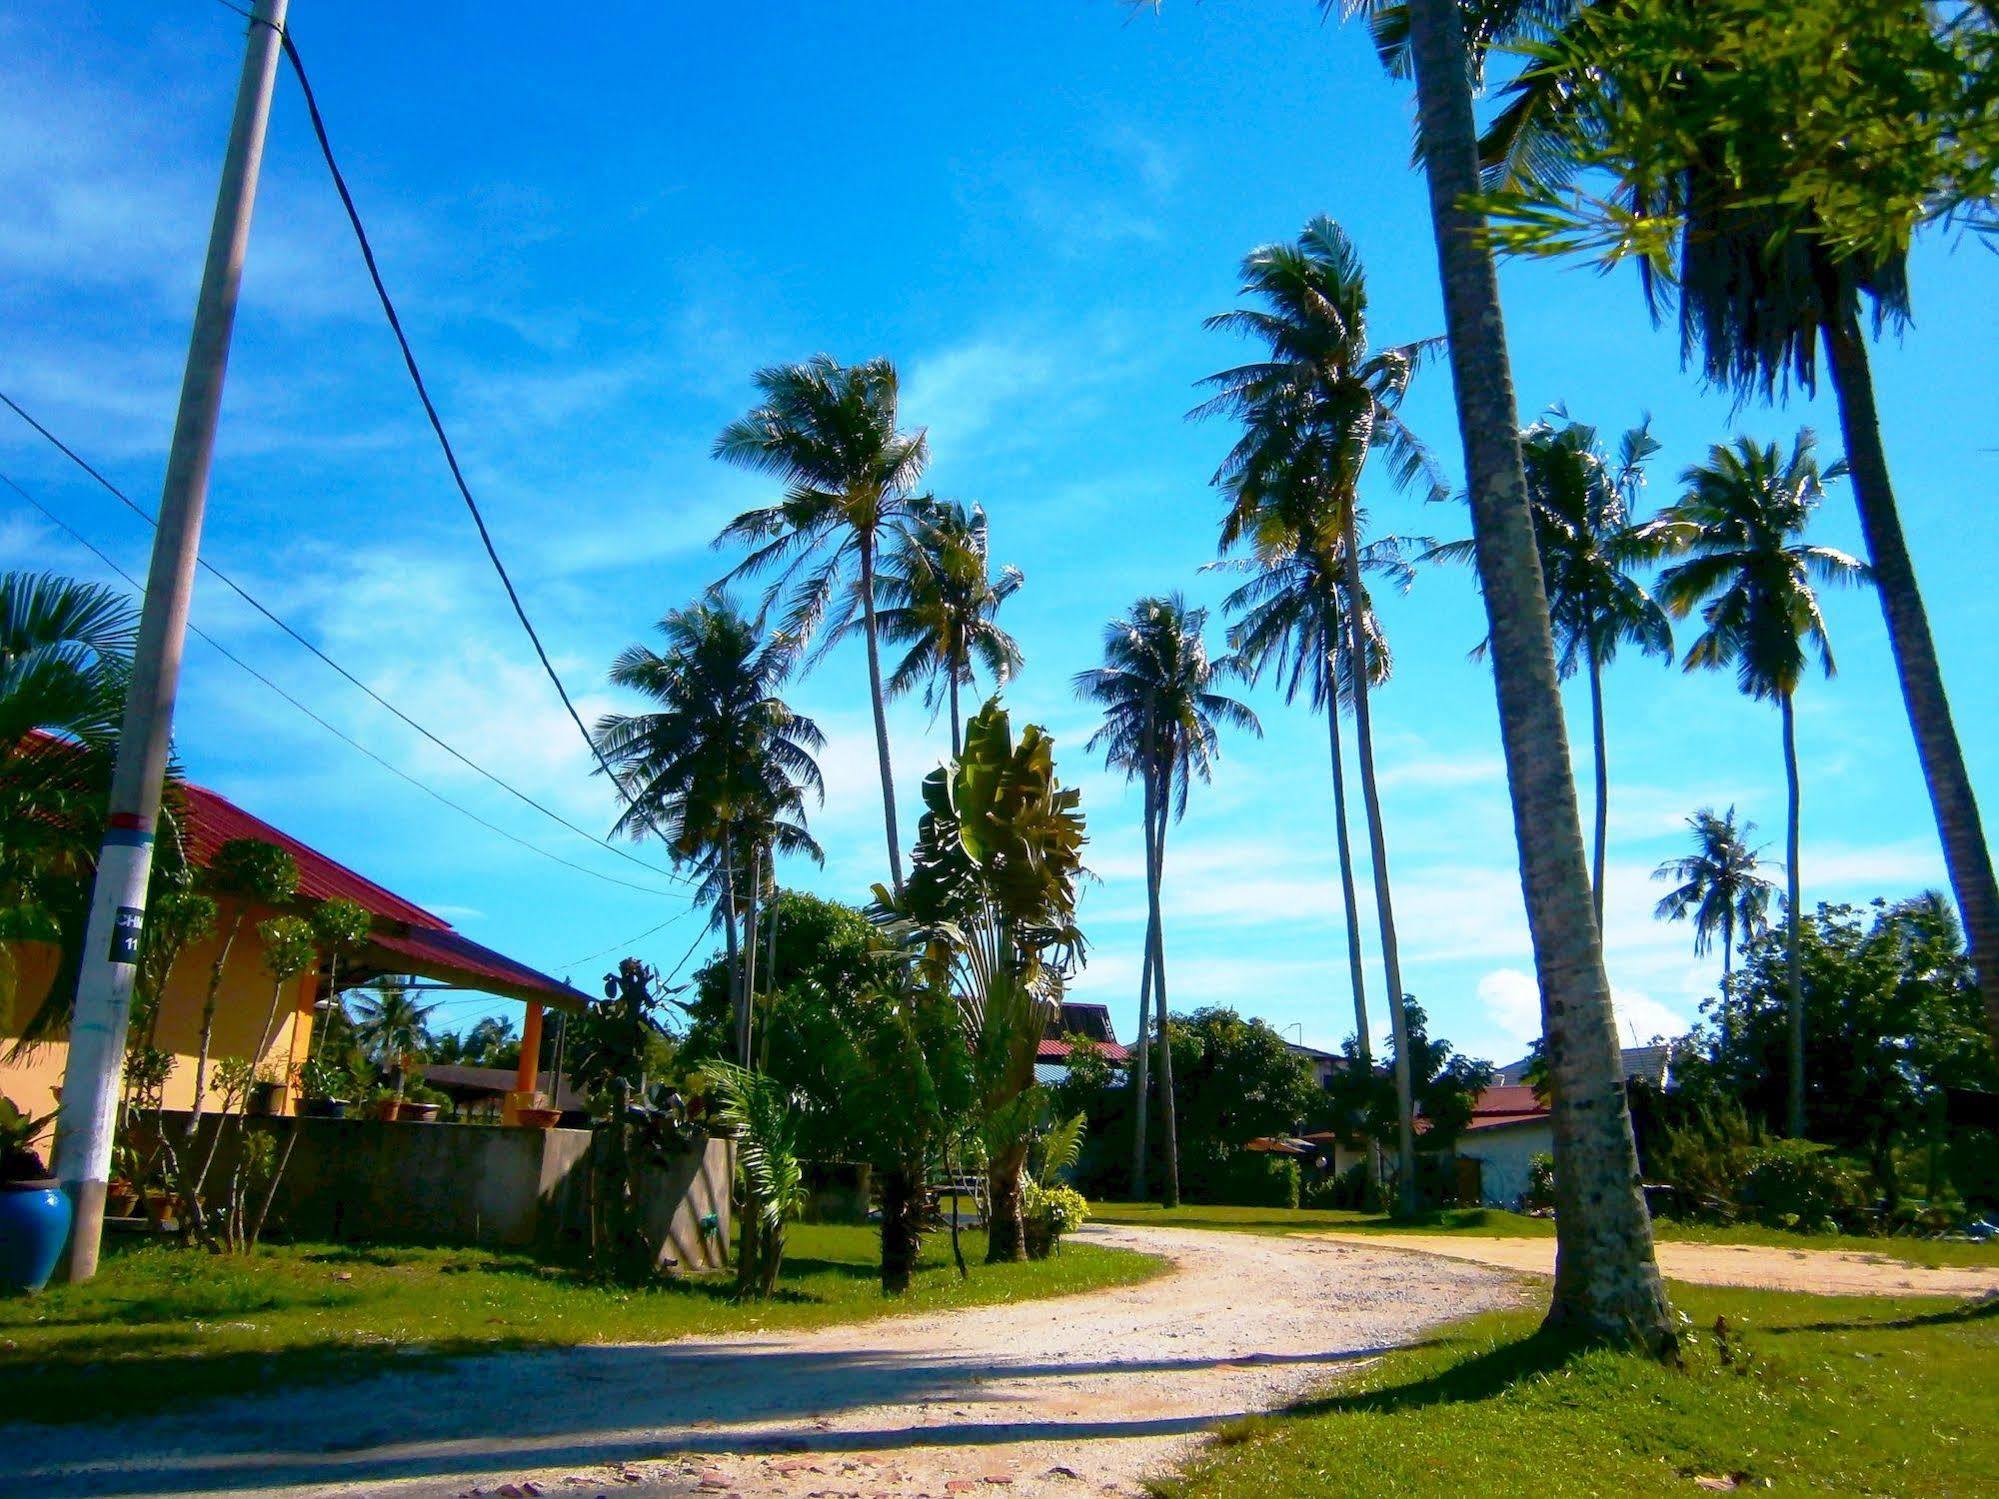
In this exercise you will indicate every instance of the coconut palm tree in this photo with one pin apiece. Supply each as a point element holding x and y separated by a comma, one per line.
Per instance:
<point>1162,724</point>
<point>1291,620</point>
<point>828,432</point>
<point>1589,545</point>
<point>1760,285</point>
<point>1737,527</point>
<point>720,767</point>
<point>938,596</point>
<point>1606,1277</point>
<point>1315,410</point>
<point>1718,888</point>
<point>394,1028</point>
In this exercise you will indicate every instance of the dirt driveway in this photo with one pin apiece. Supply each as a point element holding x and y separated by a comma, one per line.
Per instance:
<point>1823,1272</point>
<point>1079,1396</point>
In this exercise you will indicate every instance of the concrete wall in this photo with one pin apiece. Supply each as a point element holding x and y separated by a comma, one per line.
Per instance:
<point>1505,1156</point>
<point>360,1180</point>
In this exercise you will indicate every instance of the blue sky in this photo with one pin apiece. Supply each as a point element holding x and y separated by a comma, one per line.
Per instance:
<point>599,223</point>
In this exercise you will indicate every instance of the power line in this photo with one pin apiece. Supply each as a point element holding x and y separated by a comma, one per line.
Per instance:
<point>228,655</point>
<point>629,941</point>
<point>430,411</point>
<point>243,593</point>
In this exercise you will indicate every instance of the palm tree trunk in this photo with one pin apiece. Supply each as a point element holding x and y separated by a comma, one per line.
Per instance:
<point>879,703</point>
<point>1602,788</point>
<point>957,739</point>
<point>738,1001</point>
<point>1384,904</point>
<point>1141,1067</point>
<point>1169,1110</point>
<point>1727,983</point>
<point>1967,856</point>
<point>1606,1278</point>
<point>748,1018</point>
<point>1794,1116</point>
<point>1363,1042</point>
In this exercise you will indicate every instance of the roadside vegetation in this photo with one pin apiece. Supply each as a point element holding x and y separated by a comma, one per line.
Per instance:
<point>1844,1395</point>
<point>159,1324</point>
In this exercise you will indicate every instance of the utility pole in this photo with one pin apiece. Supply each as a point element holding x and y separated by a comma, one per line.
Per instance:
<point>93,1078</point>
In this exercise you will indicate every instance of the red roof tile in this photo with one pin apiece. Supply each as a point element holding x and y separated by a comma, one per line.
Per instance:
<point>1058,1051</point>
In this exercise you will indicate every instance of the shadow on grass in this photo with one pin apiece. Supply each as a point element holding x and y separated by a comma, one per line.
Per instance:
<point>1985,1309</point>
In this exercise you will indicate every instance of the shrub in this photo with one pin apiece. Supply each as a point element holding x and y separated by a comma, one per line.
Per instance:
<point>1706,1160</point>
<point>1248,1179</point>
<point>1541,1181</point>
<point>1798,1185</point>
<point>1348,1190</point>
<point>1047,1213</point>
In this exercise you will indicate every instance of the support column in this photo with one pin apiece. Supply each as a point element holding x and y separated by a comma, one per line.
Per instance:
<point>304,1017</point>
<point>527,1080</point>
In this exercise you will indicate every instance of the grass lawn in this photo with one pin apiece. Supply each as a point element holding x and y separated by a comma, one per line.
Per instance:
<point>1500,1224</point>
<point>1823,1394</point>
<point>163,1322</point>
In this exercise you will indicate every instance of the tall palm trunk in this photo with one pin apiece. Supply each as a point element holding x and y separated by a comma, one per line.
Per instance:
<point>1967,856</point>
<point>1727,984</point>
<point>738,1001</point>
<point>1363,1042</point>
<point>1384,904</point>
<point>957,734</point>
<point>1169,1108</point>
<point>1606,1279</point>
<point>879,704</point>
<point>1141,1067</point>
<point>748,1018</point>
<point>1794,1120</point>
<point>1597,740</point>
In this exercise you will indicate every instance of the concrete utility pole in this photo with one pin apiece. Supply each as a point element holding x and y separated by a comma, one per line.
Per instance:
<point>93,1078</point>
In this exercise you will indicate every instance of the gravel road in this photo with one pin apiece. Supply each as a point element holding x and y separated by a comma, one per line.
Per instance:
<point>1079,1396</point>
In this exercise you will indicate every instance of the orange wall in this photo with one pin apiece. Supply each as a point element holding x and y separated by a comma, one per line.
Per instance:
<point>243,1006</point>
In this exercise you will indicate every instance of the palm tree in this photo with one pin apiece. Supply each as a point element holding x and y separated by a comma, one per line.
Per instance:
<point>1162,724</point>
<point>65,650</point>
<point>394,1028</point>
<point>1737,526</point>
<point>1314,412</point>
<point>939,598</point>
<point>1606,1277</point>
<point>1292,619</point>
<point>1717,886</point>
<point>828,431</point>
<point>720,768</point>
<point>1588,544</point>
<point>1761,288</point>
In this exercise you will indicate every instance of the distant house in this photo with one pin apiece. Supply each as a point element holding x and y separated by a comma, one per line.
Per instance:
<point>1092,1022</point>
<point>1325,1065</point>
<point>1510,1124</point>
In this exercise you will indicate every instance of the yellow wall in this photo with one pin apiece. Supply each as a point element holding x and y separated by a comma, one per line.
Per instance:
<point>242,1010</point>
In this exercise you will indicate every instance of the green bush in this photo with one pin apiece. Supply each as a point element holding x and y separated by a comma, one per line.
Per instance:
<point>1797,1185</point>
<point>1541,1181</point>
<point>1247,1179</point>
<point>1047,1213</point>
<point>1347,1191</point>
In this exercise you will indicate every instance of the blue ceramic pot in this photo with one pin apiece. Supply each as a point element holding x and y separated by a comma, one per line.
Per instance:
<point>34,1223</point>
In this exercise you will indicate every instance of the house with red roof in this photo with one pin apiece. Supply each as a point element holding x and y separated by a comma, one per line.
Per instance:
<point>255,1018</point>
<point>1073,1023</point>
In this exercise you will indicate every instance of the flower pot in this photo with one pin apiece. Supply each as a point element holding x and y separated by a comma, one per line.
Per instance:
<point>388,1110</point>
<point>538,1118</point>
<point>120,1199</point>
<point>419,1113</point>
<point>34,1223</point>
<point>163,1209</point>
<point>322,1108</point>
<point>265,1099</point>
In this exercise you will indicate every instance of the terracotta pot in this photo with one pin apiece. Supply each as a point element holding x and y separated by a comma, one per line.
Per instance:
<point>163,1209</point>
<point>538,1118</point>
<point>388,1110</point>
<point>120,1198</point>
<point>419,1113</point>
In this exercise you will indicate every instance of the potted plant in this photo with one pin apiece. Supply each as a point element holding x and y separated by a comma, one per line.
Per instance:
<point>423,1104</point>
<point>266,1094</point>
<point>34,1213</point>
<point>325,1089</point>
<point>383,1104</point>
<point>121,1197</point>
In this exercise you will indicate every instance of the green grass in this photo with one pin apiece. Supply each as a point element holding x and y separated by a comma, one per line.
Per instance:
<point>1500,1224</point>
<point>1837,1395</point>
<point>163,1322</point>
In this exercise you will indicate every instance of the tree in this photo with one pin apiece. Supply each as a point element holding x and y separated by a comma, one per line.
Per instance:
<point>940,599</point>
<point>1719,889</point>
<point>1892,1017</point>
<point>1236,1081</point>
<point>340,927</point>
<point>1737,526</point>
<point>1314,412</point>
<point>720,767</point>
<point>1589,545</point>
<point>828,432</point>
<point>1162,725</point>
<point>395,1028</point>
<point>252,875</point>
<point>991,901</point>
<point>1768,170</point>
<point>65,651</point>
<point>1606,1278</point>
